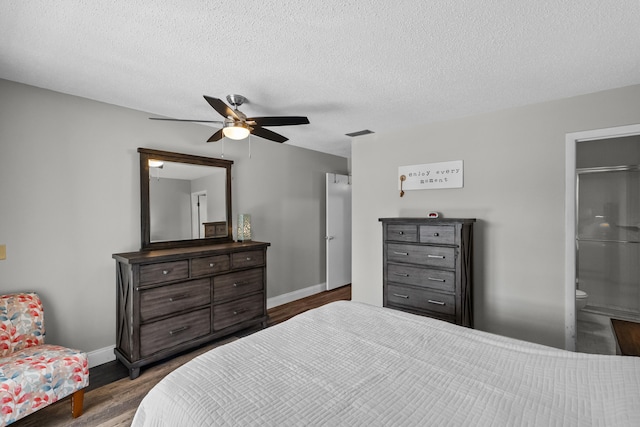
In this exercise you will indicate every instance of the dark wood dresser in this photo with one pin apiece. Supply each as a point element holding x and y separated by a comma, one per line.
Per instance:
<point>428,267</point>
<point>171,300</point>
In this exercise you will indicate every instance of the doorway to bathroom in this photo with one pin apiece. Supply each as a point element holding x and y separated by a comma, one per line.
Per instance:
<point>607,239</point>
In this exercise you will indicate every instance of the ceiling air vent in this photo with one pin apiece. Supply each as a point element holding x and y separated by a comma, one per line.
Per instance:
<point>360,133</point>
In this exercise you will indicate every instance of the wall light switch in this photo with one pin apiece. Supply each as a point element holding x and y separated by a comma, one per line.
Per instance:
<point>3,251</point>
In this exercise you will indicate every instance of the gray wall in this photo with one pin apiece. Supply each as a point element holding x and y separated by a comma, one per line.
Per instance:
<point>514,178</point>
<point>169,209</point>
<point>215,184</point>
<point>69,199</point>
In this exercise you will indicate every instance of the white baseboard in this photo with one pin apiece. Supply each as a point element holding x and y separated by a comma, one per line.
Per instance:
<point>106,354</point>
<point>101,355</point>
<point>295,295</point>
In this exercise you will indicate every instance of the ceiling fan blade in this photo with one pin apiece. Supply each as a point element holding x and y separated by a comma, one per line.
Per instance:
<point>223,109</point>
<point>280,120</point>
<point>186,120</point>
<point>267,134</point>
<point>216,136</point>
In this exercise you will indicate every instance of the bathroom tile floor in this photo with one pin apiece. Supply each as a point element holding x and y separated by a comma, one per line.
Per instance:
<point>595,334</point>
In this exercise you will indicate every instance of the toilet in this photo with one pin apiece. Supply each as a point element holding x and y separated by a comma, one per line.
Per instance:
<point>581,299</point>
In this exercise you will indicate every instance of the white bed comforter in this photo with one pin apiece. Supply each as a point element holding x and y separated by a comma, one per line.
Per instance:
<point>350,364</point>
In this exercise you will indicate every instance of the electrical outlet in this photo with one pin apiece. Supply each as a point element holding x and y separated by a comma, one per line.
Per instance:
<point>3,251</point>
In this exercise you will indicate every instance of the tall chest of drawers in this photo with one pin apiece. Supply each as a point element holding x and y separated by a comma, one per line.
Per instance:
<point>428,267</point>
<point>172,300</point>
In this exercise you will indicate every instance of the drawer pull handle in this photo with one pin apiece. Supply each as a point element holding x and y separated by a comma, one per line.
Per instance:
<point>177,297</point>
<point>239,311</point>
<point>401,253</point>
<point>436,234</point>
<point>435,279</point>
<point>401,232</point>
<point>435,302</point>
<point>177,331</point>
<point>401,296</point>
<point>211,264</point>
<point>436,256</point>
<point>236,284</point>
<point>248,258</point>
<point>165,271</point>
<point>401,274</point>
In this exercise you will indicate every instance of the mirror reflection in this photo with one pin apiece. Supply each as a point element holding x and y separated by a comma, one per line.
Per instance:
<point>186,201</point>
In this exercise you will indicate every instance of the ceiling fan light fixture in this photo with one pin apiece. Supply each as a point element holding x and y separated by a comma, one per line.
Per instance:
<point>237,130</point>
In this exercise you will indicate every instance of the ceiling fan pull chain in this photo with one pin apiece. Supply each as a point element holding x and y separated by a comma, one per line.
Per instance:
<point>222,154</point>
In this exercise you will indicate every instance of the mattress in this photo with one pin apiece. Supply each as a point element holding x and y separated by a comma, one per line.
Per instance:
<point>352,364</point>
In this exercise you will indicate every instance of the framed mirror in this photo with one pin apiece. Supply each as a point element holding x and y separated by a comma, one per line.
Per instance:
<point>185,200</point>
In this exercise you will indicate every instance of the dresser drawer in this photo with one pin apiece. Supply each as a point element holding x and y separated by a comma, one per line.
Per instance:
<point>424,277</point>
<point>215,229</point>
<point>167,333</point>
<point>231,313</point>
<point>439,234</point>
<point>402,233</point>
<point>174,298</point>
<point>164,272</point>
<point>421,299</point>
<point>233,285</point>
<point>247,259</point>
<point>209,265</point>
<point>434,256</point>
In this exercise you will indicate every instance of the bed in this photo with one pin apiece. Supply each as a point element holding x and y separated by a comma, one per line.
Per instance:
<point>350,364</point>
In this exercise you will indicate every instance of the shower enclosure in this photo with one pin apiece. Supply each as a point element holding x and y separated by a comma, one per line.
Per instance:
<point>608,239</point>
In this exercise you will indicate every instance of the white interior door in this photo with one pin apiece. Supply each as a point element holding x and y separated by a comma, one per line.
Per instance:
<point>198,213</point>
<point>338,230</point>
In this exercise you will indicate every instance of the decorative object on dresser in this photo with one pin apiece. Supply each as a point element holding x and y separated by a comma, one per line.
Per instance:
<point>244,228</point>
<point>171,300</point>
<point>174,295</point>
<point>428,267</point>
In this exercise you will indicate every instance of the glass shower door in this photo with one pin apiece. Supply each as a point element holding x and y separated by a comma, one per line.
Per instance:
<point>608,239</point>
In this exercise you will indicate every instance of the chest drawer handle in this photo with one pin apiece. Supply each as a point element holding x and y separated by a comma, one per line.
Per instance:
<point>401,232</point>
<point>435,279</point>
<point>401,253</point>
<point>401,296</point>
<point>177,331</point>
<point>240,311</point>
<point>236,284</point>
<point>436,256</point>
<point>165,271</point>
<point>177,297</point>
<point>435,302</point>
<point>211,264</point>
<point>248,258</point>
<point>436,234</point>
<point>401,274</point>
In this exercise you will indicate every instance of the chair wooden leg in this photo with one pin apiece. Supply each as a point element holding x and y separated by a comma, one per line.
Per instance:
<point>77,399</point>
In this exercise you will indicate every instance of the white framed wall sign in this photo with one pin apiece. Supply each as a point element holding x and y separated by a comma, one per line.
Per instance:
<point>431,176</point>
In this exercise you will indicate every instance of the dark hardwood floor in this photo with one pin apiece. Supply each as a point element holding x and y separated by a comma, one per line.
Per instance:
<point>114,370</point>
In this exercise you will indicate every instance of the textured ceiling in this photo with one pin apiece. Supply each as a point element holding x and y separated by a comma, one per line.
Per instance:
<point>347,65</point>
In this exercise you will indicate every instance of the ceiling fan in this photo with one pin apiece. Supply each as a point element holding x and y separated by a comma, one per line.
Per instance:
<point>237,125</point>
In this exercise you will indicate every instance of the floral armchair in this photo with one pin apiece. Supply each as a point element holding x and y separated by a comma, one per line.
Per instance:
<point>34,374</point>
